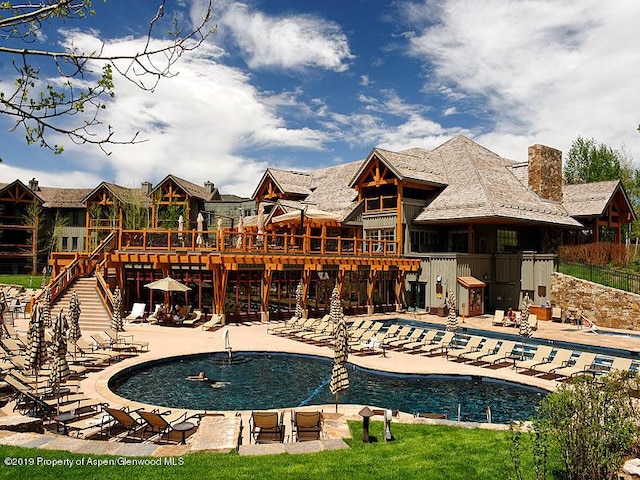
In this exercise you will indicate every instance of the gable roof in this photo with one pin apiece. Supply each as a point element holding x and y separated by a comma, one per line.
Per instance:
<point>63,197</point>
<point>122,194</point>
<point>190,188</point>
<point>17,183</point>
<point>287,181</point>
<point>592,199</point>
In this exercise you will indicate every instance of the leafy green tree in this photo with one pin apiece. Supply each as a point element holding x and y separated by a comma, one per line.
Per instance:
<point>593,423</point>
<point>70,104</point>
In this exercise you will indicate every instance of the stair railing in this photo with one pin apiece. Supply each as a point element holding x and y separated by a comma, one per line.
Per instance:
<point>102,287</point>
<point>80,266</point>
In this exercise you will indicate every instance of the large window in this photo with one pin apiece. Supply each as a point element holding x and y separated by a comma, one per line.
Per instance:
<point>423,241</point>
<point>459,241</point>
<point>388,237</point>
<point>507,241</point>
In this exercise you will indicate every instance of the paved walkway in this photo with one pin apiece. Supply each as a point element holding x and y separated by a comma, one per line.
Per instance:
<point>220,433</point>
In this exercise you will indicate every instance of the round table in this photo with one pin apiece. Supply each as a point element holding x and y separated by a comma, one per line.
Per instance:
<point>183,427</point>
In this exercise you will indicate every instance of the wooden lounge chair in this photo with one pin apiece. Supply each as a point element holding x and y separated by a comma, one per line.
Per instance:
<point>489,347</point>
<point>560,359</point>
<point>137,312</point>
<point>436,345</point>
<point>542,355</point>
<point>498,318</point>
<point>266,427</point>
<point>306,426</point>
<point>164,425</point>
<point>472,345</point>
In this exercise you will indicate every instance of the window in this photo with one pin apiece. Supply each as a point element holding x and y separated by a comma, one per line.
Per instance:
<point>458,241</point>
<point>74,244</point>
<point>423,241</point>
<point>387,234</point>
<point>64,244</point>
<point>507,241</point>
<point>75,218</point>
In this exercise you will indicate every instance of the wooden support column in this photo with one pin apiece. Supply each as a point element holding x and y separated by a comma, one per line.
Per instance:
<point>371,285</point>
<point>399,229</point>
<point>267,275</point>
<point>402,274</point>
<point>469,238</point>
<point>306,282</point>
<point>220,278</point>
<point>340,280</point>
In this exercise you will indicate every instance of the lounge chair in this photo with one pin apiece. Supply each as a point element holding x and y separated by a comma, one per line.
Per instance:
<point>556,314</point>
<point>193,318</point>
<point>137,312</point>
<point>292,322</point>
<point>122,339</point>
<point>471,346</point>
<point>488,348</point>
<point>398,334</point>
<point>441,344</point>
<point>542,355</point>
<point>266,427</point>
<point>581,365</point>
<point>498,318</point>
<point>159,315</point>
<point>164,425</point>
<point>503,355</point>
<point>124,423</point>
<point>413,337</point>
<point>86,349</point>
<point>372,347</point>
<point>306,426</point>
<point>560,359</point>
<point>621,364</point>
<point>213,323</point>
<point>429,338</point>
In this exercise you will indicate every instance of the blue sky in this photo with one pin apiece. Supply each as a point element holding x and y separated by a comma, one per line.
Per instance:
<point>302,85</point>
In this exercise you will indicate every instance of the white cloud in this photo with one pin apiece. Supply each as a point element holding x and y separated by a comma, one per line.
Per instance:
<point>548,71</point>
<point>197,124</point>
<point>286,42</point>
<point>62,179</point>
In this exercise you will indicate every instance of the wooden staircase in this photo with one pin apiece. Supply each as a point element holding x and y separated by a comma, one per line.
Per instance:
<point>93,315</point>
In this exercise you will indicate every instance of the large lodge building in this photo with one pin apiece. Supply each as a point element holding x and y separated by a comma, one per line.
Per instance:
<point>394,230</point>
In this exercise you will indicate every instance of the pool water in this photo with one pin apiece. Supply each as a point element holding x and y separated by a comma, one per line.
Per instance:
<point>257,381</point>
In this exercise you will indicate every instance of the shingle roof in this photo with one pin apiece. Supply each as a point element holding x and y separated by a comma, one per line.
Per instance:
<point>480,184</point>
<point>123,194</point>
<point>414,164</point>
<point>588,199</point>
<point>331,190</point>
<point>63,197</point>
<point>289,181</point>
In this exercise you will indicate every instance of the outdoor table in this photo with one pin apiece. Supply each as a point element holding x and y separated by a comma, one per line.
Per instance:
<point>183,427</point>
<point>64,419</point>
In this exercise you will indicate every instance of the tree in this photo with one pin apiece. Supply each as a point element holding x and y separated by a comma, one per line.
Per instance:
<point>45,106</point>
<point>589,162</point>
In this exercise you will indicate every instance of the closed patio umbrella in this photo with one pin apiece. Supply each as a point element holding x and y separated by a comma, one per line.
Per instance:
<point>298,310</point>
<point>46,309</point>
<point>200,227</point>
<point>452,319</point>
<point>74,333</point>
<point>36,348</point>
<point>180,227</point>
<point>339,374</point>
<point>116,318</point>
<point>60,369</point>
<point>525,328</point>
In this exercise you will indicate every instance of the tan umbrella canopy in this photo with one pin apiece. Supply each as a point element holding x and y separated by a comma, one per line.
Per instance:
<point>339,374</point>
<point>312,213</point>
<point>36,348</point>
<point>60,369</point>
<point>168,284</point>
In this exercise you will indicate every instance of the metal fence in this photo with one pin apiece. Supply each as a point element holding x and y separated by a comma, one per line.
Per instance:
<point>629,282</point>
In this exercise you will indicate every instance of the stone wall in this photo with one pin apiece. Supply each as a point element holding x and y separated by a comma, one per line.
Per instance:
<point>608,307</point>
<point>545,172</point>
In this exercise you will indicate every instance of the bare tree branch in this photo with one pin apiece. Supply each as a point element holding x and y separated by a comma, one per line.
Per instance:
<point>44,108</point>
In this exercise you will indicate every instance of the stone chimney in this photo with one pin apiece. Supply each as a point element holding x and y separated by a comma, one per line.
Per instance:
<point>545,172</point>
<point>208,187</point>
<point>146,188</point>
<point>33,185</point>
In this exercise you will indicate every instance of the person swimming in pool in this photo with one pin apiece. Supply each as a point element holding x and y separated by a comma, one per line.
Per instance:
<point>201,377</point>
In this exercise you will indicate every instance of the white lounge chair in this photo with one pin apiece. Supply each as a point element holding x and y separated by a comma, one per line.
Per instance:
<point>214,322</point>
<point>137,312</point>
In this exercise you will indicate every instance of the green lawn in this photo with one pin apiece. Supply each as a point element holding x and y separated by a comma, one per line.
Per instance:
<point>28,281</point>
<point>418,452</point>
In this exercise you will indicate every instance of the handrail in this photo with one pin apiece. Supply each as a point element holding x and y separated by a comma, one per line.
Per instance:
<point>81,265</point>
<point>229,241</point>
<point>104,292</point>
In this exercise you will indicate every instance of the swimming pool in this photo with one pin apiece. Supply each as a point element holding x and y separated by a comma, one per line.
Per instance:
<point>256,381</point>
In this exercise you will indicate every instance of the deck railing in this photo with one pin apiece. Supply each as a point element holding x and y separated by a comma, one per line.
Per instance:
<point>229,241</point>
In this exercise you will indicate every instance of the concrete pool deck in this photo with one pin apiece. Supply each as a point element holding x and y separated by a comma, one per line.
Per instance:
<point>167,342</point>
